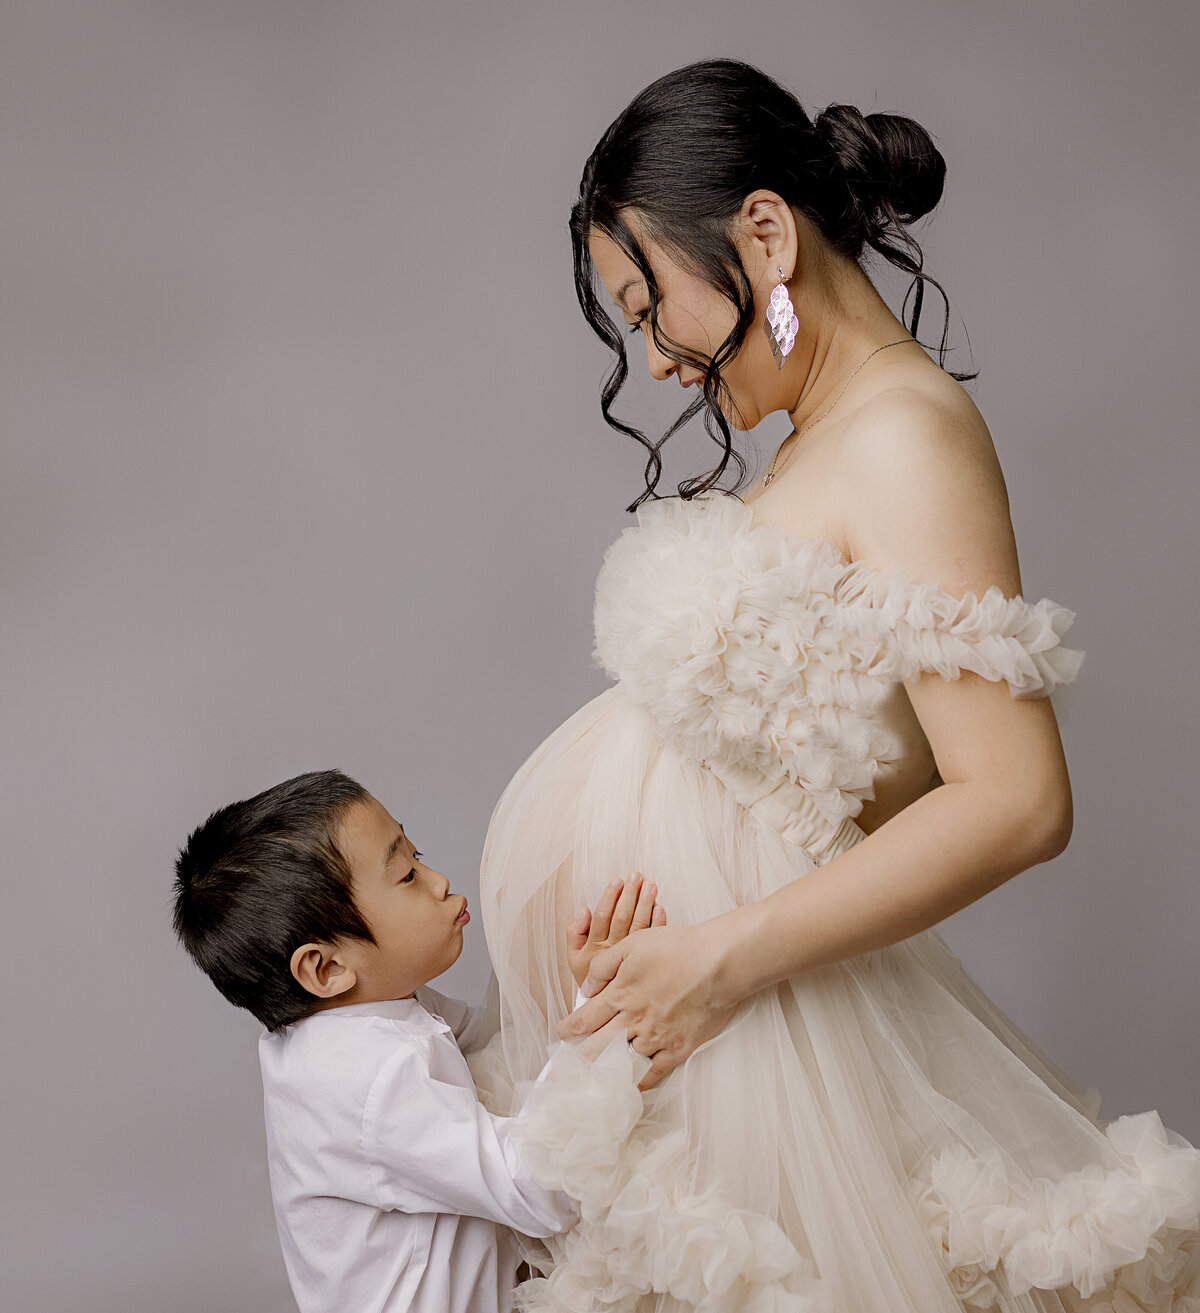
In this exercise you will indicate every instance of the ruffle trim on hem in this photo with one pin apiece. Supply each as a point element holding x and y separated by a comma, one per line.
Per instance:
<point>1123,1240</point>
<point>642,1230</point>
<point>1116,1240</point>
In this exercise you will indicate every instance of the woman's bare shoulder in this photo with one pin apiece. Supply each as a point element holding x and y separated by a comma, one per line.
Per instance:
<point>928,490</point>
<point>919,418</point>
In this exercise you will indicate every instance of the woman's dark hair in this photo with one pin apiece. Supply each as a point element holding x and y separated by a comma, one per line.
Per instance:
<point>258,879</point>
<point>687,151</point>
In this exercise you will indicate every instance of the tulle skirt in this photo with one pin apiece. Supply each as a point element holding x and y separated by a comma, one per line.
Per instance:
<point>873,1136</point>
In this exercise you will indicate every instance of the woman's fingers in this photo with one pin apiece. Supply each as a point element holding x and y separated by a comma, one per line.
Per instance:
<point>594,1013</point>
<point>591,1046</point>
<point>660,915</point>
<point>586,1018</point>
<point>627,905</point>
<point>603,911</point>
<point>660,1066</point>
<point>604,967</point>
<point>661,1062</point>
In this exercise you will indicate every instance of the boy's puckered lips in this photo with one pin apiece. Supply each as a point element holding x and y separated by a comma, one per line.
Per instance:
<point>464,916</point>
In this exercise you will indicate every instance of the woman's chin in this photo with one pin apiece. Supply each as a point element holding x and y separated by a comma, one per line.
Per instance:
<point>740,418</point>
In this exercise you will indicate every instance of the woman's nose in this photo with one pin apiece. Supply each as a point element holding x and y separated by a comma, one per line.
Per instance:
<point>660,366</point>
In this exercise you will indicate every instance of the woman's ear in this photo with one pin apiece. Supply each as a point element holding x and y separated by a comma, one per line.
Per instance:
<point>768,234</point>
<point>320,969</point>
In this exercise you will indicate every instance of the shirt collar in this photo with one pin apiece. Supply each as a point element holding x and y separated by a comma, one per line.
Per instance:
<point>410,1010</point>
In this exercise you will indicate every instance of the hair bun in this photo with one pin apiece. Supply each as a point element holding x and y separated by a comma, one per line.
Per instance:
<point>892,168</point>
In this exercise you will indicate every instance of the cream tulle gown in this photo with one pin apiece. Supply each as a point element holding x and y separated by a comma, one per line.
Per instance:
<point>871,1137</point>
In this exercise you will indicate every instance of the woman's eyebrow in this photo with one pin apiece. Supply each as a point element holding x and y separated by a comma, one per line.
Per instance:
<point>625,286</point>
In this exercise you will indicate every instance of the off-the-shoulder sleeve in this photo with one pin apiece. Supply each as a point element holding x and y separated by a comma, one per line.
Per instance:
<point>923,627</point>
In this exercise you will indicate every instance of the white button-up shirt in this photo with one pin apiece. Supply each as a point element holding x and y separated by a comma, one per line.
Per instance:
<point>394,1188</point>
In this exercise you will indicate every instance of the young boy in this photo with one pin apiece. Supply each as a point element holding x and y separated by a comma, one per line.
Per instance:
<point>394,1188</point>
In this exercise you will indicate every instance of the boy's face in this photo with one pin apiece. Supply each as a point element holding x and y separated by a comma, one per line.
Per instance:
<point>417,922</point>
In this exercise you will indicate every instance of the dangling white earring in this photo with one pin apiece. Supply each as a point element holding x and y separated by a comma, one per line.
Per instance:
<point>781,323</point>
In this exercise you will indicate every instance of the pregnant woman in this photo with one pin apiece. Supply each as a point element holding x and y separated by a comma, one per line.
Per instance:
<point>830,730</point>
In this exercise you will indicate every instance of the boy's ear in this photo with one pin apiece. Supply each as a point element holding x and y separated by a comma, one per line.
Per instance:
<point>320,969</point>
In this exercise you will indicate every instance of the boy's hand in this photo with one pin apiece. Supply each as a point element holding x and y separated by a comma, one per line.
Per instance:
<point>623,907</point>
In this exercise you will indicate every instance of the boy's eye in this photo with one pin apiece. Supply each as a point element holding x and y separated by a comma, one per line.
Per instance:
<point>407,879</point>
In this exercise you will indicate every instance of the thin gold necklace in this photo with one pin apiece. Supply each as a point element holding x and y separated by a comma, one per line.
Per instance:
<point>771,471</point>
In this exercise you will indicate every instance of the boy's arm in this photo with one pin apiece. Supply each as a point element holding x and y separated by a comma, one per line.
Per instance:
<point>431,1146</point>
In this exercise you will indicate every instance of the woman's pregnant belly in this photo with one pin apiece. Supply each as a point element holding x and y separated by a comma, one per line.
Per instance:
<point>601,797</point>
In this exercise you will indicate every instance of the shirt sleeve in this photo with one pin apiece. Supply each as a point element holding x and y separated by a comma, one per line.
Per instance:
<point>472,1026</point>
<point>431,1146</point>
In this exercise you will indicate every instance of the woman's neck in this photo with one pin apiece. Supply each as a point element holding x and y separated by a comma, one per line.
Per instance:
<point>846,319</point>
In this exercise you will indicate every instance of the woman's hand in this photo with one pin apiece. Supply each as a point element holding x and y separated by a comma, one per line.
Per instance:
<point>662,986</point>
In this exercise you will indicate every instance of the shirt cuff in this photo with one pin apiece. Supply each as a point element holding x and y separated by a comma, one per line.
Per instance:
<point>580,999</point>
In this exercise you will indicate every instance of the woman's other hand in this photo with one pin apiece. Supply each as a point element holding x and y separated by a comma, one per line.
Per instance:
<point>662,989</point>
<point>624,907</point>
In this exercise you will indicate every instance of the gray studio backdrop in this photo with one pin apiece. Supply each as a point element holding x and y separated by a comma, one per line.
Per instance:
<point>303,466</point>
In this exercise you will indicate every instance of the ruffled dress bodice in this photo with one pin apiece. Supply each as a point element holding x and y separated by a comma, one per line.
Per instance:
<point>771,657</point>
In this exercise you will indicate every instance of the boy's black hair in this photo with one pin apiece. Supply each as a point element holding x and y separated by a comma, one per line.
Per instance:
<point>258,879</point>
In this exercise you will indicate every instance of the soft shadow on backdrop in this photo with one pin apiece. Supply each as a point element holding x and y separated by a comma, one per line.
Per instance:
<point>303,466</point>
